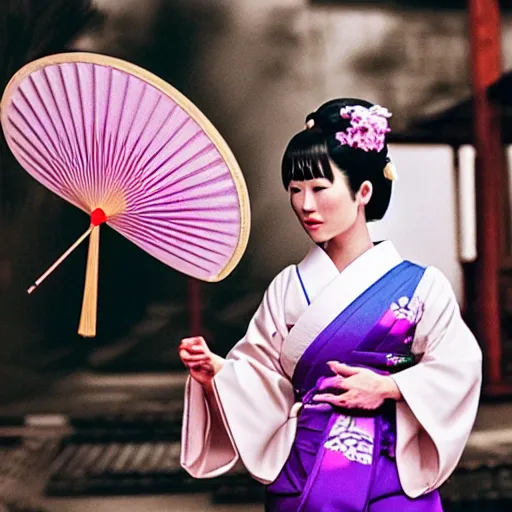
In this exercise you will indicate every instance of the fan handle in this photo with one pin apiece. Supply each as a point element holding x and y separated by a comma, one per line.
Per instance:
<point>87,326</point>
<point>88,316</point>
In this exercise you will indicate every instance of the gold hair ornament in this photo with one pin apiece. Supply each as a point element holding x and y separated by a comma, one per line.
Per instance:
<point>390,172</point>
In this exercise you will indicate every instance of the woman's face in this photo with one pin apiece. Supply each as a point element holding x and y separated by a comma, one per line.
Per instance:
<point>327,210</point>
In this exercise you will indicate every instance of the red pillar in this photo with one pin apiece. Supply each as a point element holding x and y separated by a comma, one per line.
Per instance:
<point>486,68</point>
<point>195,307</point>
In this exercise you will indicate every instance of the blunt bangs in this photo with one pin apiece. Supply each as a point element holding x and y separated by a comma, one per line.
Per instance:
<point>306,158</point>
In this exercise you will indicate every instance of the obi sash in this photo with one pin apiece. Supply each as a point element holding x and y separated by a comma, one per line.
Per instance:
<point>334,454</point>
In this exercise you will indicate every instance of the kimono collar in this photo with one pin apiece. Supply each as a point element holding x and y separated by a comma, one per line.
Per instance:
<point>317,269</point>
<point>330,292</point>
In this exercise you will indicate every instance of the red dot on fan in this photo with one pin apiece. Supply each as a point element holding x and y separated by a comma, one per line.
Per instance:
<point>98,217</point>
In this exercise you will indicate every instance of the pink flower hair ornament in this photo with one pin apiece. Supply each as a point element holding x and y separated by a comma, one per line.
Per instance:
<point>368,127</point>
<point>367,131</point>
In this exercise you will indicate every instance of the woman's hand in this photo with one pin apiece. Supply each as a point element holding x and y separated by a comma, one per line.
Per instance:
<point>202,363</point>
<point>363,388</point>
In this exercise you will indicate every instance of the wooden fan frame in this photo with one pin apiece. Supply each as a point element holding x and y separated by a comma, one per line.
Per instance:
<point>182,101</point>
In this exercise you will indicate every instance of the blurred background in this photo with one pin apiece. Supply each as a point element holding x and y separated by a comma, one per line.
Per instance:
<point>100,412</point>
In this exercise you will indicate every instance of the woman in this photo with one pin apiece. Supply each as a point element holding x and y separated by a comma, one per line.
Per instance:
<point>357,383</point>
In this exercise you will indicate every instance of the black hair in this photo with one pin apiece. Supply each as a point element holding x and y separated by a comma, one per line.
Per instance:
<point>309,152</point>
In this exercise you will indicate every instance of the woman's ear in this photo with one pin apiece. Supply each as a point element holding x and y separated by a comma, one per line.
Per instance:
<point>365,193</point>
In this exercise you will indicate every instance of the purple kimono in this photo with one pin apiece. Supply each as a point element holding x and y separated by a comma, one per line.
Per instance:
<point>343,460</point>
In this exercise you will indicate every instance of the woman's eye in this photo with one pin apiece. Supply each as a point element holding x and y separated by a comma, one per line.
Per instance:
<point>294,190</point>
<point>318,189</point>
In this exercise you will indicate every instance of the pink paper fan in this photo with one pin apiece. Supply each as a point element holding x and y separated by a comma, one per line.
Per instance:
<point>134,153</point>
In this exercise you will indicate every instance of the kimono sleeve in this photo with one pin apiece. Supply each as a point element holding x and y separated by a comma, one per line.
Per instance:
<point>441,393</point>
<point>255,399</point>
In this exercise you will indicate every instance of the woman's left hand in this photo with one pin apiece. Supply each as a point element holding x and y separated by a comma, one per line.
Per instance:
<point>363,388</point>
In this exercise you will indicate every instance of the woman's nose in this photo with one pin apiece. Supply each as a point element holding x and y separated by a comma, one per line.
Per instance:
<point>308,204</point>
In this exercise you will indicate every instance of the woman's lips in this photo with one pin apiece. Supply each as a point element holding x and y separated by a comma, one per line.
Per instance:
<point>312,224</point>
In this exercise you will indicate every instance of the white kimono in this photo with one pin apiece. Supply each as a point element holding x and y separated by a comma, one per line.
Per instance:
<point>256,396</point>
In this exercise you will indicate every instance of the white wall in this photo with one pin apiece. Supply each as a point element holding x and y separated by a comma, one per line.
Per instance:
<point>422,219</point>
<point>432,218</point>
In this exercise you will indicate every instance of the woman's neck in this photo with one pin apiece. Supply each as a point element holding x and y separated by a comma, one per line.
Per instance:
<point>348,246</point>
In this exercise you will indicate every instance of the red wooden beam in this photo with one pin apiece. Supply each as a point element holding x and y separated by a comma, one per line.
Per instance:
<point>486,68</point>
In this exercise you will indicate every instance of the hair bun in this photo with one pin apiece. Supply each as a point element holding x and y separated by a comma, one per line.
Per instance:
<point>328,120</point>
<point>327,117</point>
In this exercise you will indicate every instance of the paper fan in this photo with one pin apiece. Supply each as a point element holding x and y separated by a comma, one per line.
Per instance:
<point>134,153</point>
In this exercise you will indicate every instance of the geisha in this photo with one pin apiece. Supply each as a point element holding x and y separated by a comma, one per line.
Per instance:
<point>357,383</point>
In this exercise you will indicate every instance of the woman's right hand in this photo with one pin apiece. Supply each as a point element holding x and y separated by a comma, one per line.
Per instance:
<point>202,363</point>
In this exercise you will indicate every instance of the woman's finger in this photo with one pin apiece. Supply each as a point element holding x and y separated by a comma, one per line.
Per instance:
<point>189,362</point>
<point>206,368</point>
<point>187,359</point>
<point>343,369</point>
<point>185,354</point>
<point>195,341</point>
<point>325,397</point>
<point>346,400</point>
<point>196,360</point>
<point>198,349</point>
<point>329,382</point>
<point>191,351</point>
